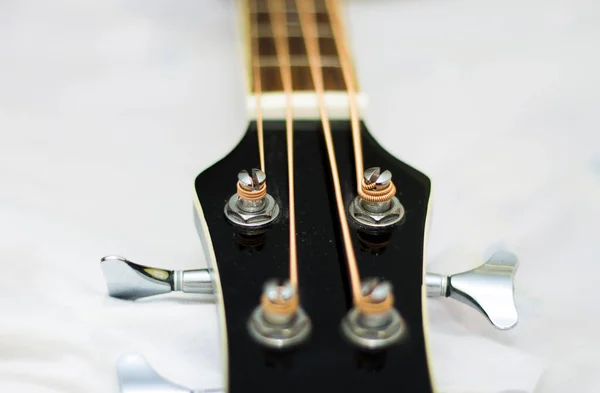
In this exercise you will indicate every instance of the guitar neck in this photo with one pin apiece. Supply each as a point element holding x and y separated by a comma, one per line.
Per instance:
<point>263,64</point>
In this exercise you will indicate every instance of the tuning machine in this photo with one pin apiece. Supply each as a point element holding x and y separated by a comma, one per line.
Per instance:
<point>128,280</point>
<point>488,288</point>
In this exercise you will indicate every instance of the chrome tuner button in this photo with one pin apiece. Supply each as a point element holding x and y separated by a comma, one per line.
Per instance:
<point>251,207</point>
<point>128,280</point>
<point>376,206</point>
<point>135,375</point>
<point>488,288</point>
<point>374,323</point>
<point>279,322</point>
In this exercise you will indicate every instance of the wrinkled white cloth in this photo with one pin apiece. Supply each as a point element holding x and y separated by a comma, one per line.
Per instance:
<point>109,109</point>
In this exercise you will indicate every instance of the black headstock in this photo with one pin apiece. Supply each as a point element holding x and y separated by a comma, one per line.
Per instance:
<point>245,261</point>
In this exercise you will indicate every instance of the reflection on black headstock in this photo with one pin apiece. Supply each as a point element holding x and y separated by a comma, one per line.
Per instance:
<point>279,360</point>
<point>250,241</point>
<point>246,261</point>
<point>374,243</point>
<point>370,362</point>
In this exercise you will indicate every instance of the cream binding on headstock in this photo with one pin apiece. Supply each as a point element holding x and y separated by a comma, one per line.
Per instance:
<point>324,89</point>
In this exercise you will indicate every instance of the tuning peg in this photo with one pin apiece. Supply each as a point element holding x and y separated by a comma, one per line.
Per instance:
<point>128,280</point>
<point>488,288</point>
<point>137,376</point>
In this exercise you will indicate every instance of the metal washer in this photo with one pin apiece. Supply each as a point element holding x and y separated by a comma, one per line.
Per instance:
<point>279,336</point>
<point>376,221</point>
<point>251,220</point>
<point>373,338</point>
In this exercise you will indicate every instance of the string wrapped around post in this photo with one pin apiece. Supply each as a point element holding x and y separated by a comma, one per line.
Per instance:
<point>370,193</point>
<point>252,194</point>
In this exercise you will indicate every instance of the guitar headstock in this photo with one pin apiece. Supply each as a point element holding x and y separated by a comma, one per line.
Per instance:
<point>314,233</point>
<point>245,260</point>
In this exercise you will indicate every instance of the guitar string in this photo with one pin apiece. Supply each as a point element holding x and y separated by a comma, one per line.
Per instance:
<point>257,84</point>
<point>279,24</point>
<point>348,72</point>
<point>308,24</point>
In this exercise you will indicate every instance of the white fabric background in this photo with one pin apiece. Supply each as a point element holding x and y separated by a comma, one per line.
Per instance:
<point>109,109</point>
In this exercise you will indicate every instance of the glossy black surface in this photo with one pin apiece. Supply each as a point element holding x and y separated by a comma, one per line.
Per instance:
<point>327,362</point>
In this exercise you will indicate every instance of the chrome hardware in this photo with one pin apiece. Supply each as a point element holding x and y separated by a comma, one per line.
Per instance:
<point>488,288</point>
<point>279,330</point>
<point>128,280</point>
<point>251,183</point>
<point>251,207</point>
<point>137,376</point>
<point>376,220</point>
<point>383,212</point>
<point>279,336</point>
<point>381,180</point>
<point>374,330</point>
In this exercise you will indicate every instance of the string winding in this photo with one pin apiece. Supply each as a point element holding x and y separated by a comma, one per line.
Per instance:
<point>252,195</point>
<point>369,193</point>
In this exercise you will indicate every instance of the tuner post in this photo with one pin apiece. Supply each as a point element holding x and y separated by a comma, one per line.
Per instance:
<point>279,322</point>
<point>251,207</point>
<point>373,323</point>
<point>376,207</point>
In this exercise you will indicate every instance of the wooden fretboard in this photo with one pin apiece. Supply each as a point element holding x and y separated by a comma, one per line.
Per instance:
<point>261,41</point>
